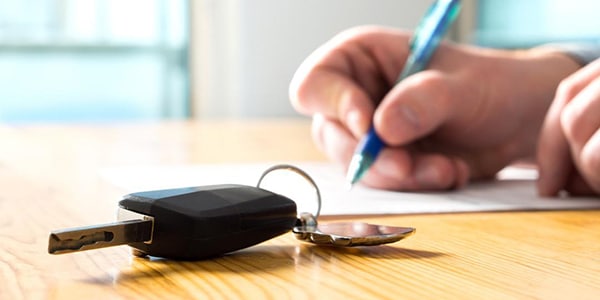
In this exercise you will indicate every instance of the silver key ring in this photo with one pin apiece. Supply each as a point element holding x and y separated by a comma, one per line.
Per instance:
<point>299,172</point>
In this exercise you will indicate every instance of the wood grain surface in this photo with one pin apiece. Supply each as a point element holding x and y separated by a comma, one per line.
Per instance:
<point>49,177</point>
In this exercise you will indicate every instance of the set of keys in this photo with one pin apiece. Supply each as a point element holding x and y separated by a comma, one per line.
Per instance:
<point>207,221</point>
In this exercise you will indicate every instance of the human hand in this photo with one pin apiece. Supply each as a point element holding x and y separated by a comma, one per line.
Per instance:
<point>569,148</point>
<point>471,113</point>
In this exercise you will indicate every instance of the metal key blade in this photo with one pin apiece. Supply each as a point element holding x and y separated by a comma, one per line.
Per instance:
<point>100,236</point>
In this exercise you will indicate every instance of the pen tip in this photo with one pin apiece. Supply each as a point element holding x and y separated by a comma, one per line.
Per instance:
<point>355,171</point>
<point>349,186</point>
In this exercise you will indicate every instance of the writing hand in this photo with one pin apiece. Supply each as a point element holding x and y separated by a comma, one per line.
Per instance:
<point>471,113</point>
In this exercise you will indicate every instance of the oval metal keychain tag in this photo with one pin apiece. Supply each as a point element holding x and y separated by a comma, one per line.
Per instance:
<point>343,234</point>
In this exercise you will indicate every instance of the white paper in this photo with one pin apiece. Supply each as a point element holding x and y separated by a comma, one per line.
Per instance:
<point>514,190</point>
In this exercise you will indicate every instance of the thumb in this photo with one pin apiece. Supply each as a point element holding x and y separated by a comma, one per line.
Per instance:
<point>414,108</point>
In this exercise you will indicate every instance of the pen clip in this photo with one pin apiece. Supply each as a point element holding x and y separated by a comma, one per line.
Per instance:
<point>419,28</point>
<point>429,33</point>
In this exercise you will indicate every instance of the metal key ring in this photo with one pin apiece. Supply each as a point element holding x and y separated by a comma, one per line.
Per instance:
<point>299,172</point>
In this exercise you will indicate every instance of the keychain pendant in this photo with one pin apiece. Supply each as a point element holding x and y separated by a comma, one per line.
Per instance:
<point>341,234</point>
<point>348,234</point>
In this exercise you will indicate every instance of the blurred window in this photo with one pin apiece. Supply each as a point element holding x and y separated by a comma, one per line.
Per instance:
<point>74,60</point>
<point>520,24</point>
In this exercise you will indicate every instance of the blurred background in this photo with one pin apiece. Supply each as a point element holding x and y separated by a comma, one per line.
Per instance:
<point>119,60</point>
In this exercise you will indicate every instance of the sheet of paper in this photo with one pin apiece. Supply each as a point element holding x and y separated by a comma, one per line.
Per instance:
<point>514,190</point>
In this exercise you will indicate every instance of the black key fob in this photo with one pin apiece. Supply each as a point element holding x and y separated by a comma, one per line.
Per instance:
<point>201,222</point>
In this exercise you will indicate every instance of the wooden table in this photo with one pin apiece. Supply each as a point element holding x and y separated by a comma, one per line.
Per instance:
<point>49,176</point>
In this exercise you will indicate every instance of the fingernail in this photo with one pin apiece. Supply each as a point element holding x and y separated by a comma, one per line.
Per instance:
<point>410,115</point>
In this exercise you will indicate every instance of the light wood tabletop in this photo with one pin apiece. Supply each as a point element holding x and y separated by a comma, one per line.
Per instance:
<point>50,180</point>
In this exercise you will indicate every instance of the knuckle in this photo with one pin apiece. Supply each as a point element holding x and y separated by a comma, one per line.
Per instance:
<point>567,122</point>
<point>299,100</point>
<point>570,121</point>
<point>300,90</point>
<point>356,32</point>
<point>566,90</point>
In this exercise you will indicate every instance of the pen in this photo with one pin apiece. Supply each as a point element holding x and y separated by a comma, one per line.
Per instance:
<point>425,40</point>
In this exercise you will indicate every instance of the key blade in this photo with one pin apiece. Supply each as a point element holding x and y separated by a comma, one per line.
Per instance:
<point>100,236</point>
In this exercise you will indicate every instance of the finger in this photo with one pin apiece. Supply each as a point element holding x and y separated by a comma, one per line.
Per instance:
<point>427,172</point>
<point>395,168</point>
<point>338,144</point>
<point>577,186</point>
<point>336,97</point>
<point>589,162</point>
<point>579,118</point>
<point>415,107</point>
<point>333,139</point>
<point>553,154</point>
<point>391,170</point>
<point>366,57</point>
<point>578,80</point>
<point>345,77</point>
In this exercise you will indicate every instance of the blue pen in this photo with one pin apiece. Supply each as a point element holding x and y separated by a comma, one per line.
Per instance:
<point>426,39</point>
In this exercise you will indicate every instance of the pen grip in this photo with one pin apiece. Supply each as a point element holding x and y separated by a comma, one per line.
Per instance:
<point>371,145</point>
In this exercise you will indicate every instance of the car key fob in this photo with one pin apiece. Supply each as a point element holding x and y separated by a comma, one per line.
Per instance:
<point>187,223</point>
<point>202,222</point>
